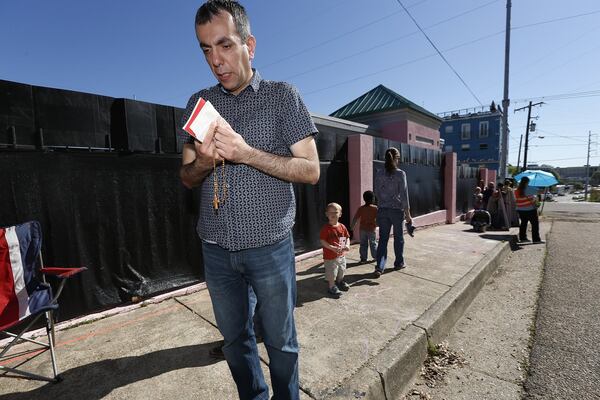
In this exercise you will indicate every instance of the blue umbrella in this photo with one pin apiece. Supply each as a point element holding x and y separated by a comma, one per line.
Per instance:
<point>537,178</point>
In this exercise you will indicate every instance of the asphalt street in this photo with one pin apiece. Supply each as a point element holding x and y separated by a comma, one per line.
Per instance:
<point>564,361</point>
<point>512,351</point>
<point>493,335</point>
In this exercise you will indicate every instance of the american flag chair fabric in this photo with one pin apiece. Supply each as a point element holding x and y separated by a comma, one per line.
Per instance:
<point>24,298</point>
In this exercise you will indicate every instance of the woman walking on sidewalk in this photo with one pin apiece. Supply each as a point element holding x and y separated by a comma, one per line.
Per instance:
<point>393,209</point>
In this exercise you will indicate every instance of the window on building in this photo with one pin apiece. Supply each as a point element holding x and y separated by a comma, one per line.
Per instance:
<point>483,146</point>
<point>449,129</point>
<point>448,149</point>
<point>424,140</point>
<point>465,147</point>
<point>465,131</point>
<point>484,129</point>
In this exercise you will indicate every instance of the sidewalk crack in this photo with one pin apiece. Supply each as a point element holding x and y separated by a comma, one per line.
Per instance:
<point>383,384</point>
<point>490,375</point>
<point>427,280</point>
<point>194,312</point>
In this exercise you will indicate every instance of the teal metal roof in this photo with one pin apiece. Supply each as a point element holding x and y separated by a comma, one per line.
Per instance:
<point>377,100</point>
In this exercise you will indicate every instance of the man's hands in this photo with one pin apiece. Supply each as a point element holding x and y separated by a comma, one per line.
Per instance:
<point>198,159</point>
<point>229,144</point>
<point>222,142</point>
<point>206,151</point>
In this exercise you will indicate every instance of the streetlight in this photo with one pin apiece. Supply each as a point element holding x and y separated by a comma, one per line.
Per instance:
<point>528,127</point>
<point>531,140</point>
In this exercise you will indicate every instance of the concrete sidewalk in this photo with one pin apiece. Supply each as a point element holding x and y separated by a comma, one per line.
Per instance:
<point>366,345</point>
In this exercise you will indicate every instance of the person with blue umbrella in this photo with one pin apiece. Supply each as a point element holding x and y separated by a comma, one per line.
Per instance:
<point>527,209</point>
<point>538,178</point>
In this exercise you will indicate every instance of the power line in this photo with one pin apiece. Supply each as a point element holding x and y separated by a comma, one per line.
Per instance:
<point>565,159</point>
<point>562,96</point>
<point>372,48</point>
<point>554,145</point>
<point>555,50</point>
<point>556,20</point>
<point>187,92</point>
<point>340,36</point>
<point>371,74</point>
<point>538,75</point>
<point>401,64</point>
<point>453,48</point>
<point>333,39</point>
<point>569,124</point>
<point>440,53</point>
<point>561,136</point>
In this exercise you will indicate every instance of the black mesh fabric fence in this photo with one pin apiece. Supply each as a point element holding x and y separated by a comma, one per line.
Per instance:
<point>466,180</point>
<point>311,201</point>
<point>106,191</point>
<point>333,186</point>
<point>40,117</point>
<point>424,174</point>
<point>124,215</point>
<point>126,218</point>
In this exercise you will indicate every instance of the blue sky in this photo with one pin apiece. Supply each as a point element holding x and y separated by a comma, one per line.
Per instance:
<point>333,51</point>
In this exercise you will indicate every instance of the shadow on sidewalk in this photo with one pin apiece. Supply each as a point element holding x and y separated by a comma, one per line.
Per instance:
<point>315,287</point>
<point>96,380</point>
<point>511,239</point>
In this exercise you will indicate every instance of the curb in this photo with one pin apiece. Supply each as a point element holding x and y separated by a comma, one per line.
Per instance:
<point>388,375</point>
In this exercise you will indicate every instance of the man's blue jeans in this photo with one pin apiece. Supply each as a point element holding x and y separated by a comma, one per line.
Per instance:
<point>386,219</point>
<point>270,271</point>
<point>367,239</point>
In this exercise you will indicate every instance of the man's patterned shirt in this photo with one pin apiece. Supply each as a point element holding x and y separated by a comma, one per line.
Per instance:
<point>259,209</point>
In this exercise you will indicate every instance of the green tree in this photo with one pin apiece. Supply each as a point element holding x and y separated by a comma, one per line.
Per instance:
<point>513,170</point>
<point>595,178</point>
<point>577,186</point>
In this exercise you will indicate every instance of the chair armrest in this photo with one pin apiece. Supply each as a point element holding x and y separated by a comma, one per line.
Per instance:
<point>61,272</point>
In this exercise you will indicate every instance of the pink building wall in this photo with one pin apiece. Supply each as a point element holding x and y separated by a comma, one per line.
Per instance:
<point>487,175</point>
<point>395,131</point>
<point>407,132</point>
<point>360,171</point>
<point>414,129</point>
<point>450,190</point>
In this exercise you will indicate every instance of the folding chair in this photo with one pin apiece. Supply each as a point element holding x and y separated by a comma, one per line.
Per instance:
<point>23,296</point>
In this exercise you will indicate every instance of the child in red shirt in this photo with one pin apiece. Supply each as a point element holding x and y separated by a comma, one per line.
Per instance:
<point>335,240</point>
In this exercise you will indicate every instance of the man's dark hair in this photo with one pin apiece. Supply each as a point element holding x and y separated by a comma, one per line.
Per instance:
<point>211,8</point>
<point>369,197</point>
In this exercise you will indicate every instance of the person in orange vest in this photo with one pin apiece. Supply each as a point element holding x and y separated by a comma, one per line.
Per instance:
<point>527,209</point>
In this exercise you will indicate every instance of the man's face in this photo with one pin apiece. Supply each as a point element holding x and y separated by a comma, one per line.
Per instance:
<point>227,56</point>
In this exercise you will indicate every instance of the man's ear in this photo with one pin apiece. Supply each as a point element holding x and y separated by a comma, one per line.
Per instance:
<point>251,44</point>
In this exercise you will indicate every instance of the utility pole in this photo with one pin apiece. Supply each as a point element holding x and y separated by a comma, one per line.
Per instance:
<point>505,100</point>
<point>519,159</point>
<point>587,168</point>
<point>527,130</point>
<point>527,137</point>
